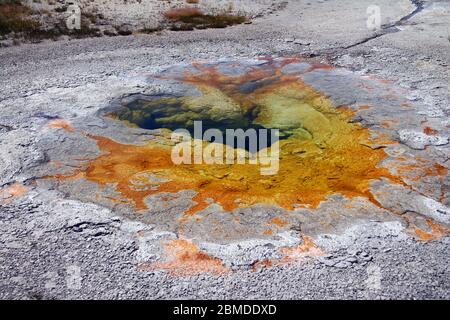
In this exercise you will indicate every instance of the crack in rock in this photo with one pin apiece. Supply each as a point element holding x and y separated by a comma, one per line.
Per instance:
<point>391,27</point>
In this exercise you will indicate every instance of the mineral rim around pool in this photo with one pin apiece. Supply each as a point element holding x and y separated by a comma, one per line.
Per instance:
<point>333,169</point>
<point>324,152</point>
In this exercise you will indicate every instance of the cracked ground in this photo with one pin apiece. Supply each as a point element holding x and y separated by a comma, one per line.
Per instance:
<point>90,208</point>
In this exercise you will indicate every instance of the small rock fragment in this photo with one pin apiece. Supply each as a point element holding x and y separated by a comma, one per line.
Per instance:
<point>342,264</point>
<point>351,260</point>
<point>419,141</point>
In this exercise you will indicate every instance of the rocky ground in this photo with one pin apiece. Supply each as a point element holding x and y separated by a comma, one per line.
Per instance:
<point>61,241</point>
<point>48,20</point>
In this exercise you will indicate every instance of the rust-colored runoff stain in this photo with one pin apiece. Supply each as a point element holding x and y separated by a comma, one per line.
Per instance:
<point>415,169</point>
<point>61,124</point>
<point>429,131</point>
<point>185,258</point>
<point>258,265</point>
<point>278,222</point>
<point>308,249</point>
<point>419,168</point>
<point>326,153</point>
<point>15,190</point>
<point>437,231</point>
